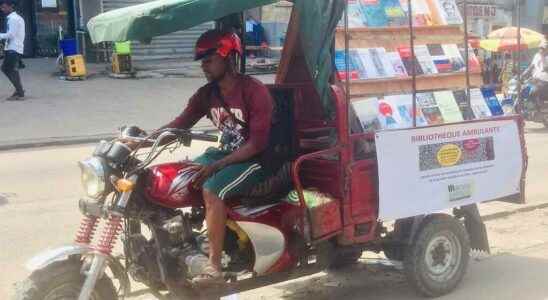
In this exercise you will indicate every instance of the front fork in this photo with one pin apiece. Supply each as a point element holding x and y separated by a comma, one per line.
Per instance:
<point>106,243</point>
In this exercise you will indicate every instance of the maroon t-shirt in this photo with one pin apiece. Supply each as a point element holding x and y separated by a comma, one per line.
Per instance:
<point>249,101</point>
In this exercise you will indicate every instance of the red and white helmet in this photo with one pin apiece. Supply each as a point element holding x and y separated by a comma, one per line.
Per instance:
<point>216,41</point>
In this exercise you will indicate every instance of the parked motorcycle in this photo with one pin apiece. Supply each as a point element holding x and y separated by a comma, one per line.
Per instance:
<point>525,105</point>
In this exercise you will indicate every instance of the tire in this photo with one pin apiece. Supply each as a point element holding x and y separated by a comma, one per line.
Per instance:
<point>62,280</point>
<point>437,260</point>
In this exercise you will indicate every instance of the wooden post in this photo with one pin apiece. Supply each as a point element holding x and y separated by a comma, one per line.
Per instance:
<point>413,66</point>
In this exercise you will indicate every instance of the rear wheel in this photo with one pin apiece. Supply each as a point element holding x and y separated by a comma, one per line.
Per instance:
<point>62,281</point>
<point>437,260</point>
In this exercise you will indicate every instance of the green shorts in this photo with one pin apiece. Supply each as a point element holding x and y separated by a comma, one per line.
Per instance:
<point>233,180</point>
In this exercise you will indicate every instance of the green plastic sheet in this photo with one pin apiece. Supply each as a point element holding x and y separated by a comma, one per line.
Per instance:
<point>318,21</point>
<point>144,21</point>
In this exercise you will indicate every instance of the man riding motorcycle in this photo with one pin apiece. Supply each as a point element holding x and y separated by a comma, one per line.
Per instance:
<point>538,73</point>
<point>241,108</point>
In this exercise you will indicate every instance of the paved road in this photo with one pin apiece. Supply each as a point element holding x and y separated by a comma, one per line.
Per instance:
<point>60,109</point>
<point>38,208</point>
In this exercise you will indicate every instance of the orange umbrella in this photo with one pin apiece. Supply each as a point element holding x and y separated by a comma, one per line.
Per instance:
<point>506,39</point>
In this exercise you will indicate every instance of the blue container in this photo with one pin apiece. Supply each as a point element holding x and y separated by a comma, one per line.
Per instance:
<point>68,47</point>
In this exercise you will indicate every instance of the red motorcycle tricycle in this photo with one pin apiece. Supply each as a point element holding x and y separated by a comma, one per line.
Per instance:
<point>329,217</point>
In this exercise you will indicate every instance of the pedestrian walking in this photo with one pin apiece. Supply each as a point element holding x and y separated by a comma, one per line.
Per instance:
<point>15,40</point>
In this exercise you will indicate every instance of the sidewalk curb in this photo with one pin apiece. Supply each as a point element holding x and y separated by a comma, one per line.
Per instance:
<point>504,214</point>
<point>68,141</point>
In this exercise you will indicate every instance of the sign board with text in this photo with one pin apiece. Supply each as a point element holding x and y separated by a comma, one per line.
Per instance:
<point>482,11</point>
<point>426,170</point>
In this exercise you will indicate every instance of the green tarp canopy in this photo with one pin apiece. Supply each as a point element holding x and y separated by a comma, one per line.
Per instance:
<point>144,21</point>
<point>318,20</point>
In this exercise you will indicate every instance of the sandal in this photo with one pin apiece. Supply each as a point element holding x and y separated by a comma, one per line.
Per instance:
<point>210,276</point>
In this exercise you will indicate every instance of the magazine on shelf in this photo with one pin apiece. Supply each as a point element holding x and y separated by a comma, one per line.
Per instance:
<point>397,64</point>
<point>455,58</point>
<point>406,57</point>
<point>367,111</point>
<point>445,12</point>
<point>425,60</point>
<point>462,102</point>
<point>340,65</point>
<point>479,106</point>
<point>448,106</point>
<point>421,12</point>
<point>440,59</point>
<point>355,15</point>
<point>429,108</point>
<point>395,14</point>
<point>373,13</point>
<point>492,101</point>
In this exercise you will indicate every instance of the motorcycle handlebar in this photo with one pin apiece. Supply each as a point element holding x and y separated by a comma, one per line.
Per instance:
<point>195,136</point>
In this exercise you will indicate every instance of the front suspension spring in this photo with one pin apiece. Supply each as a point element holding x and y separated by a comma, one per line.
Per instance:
<point>87,229</point>
<point>110,234</point>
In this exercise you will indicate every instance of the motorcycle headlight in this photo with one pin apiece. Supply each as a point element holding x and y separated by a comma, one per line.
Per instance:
<point>93,176</point>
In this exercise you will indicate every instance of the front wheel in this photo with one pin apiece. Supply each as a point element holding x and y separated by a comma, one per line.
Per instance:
<point>62,280</point>
<point>437,259</point>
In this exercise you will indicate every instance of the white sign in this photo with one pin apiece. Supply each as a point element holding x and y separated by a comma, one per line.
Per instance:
<point>49,3</point>
<point>426,170</point>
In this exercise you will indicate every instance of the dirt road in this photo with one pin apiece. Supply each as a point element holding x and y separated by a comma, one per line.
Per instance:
<point>39,190</point>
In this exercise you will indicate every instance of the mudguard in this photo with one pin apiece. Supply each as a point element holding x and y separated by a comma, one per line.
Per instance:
<point>472,222</point>
<point>48,257</point>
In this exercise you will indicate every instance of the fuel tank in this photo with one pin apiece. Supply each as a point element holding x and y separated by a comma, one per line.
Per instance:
<point>169,185</point>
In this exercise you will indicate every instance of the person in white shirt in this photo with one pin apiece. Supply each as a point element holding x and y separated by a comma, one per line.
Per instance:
<point>538,73</point>
<point>15,40</point>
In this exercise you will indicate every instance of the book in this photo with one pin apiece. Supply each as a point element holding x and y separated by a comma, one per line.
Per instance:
<point>340,65</point>
<point>370,70</point>
<point>448,106</point>
<point>406,57</point>
<point>492,101</point>
<point>445,12</point>
<point>429,108</point>
<point>479,106</point>
<point>373,13</point>
<point>394,12</point>
<point>462,102</point>
<point>357,62</point>
<point>355,15</point>
<point>382,65</point>
<point>388,115</point>
<point>367,111</point>
<point>421,12</point>
<point>403,106</point>
<point>425,60</point>
<point>473,61</point>
<point>397,64</point>
<point>440,59</point>
<point>455,58</point>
